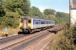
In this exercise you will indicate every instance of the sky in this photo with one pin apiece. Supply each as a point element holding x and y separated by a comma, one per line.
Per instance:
<point>58,5</point>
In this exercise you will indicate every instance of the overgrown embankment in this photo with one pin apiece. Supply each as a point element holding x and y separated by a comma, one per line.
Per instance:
<point>63,40</point>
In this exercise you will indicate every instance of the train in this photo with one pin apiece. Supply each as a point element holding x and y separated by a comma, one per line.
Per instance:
<point>28,24</point>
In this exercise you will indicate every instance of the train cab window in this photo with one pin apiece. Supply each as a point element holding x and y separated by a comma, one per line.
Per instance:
<point>21,19</point>
<point>29,21</point>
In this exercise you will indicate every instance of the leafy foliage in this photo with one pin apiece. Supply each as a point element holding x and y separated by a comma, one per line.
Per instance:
<point>15,9</point>
<point>62,17</point>
<point>22,6</point>
<point>73,31</point>
<point>26,7</point>
<point>63,40</point>
<point>12,22</point>
<point>12,10</point>
<point>2,11</point>
<point>35,12</point>
<point>49,11</point>
<point>59,17</point>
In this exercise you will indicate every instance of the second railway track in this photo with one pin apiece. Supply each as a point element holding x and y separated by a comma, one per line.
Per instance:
<point>7,39</point>
<point>17,43</point>
<point>29,42</point>
<point>14,40</point>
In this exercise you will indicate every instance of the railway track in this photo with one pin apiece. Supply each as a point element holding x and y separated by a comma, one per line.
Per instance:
<point>2,41</point>
<point>17,43</point>
<point>6,41</point>
<point>34,36</point>
<point>25,43</point>
<point>29,42</point>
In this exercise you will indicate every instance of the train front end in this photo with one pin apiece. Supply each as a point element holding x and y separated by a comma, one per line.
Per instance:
<point>25,26</point>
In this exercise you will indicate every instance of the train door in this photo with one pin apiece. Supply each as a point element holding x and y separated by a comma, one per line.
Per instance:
<point>25,23</point>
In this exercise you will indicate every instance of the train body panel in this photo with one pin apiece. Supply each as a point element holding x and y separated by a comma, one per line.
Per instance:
<point>38,23</point>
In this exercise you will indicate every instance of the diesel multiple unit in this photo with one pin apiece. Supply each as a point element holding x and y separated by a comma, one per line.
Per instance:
<point>29,24</point>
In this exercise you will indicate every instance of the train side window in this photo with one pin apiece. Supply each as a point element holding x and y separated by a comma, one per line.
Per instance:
<point>37,22</point>
<point>42,22</point>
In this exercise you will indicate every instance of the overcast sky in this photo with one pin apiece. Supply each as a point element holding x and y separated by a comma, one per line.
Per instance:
<point>58,5</point>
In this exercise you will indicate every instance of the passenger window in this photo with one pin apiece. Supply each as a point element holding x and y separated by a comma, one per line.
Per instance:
<point>42,22</point>
<point>37,23</point>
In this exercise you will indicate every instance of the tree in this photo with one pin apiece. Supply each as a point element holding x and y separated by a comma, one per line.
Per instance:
<point>49,11</point>
<point>36,12</point>
<point>20,6</point>
<point>60,14</point>
<point>2,12</point>
<point>9,22</point>
<point>62,17</point>
<point>25,7</point>
<point>13,9</point>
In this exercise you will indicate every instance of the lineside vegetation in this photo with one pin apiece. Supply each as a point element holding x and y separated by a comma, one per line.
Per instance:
<point>11,11</point>
<point>64,40</point>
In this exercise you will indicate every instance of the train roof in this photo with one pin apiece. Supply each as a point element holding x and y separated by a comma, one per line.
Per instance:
<point>28,17</point>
